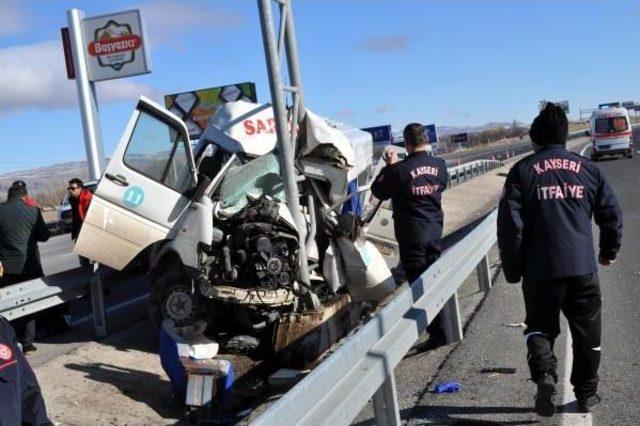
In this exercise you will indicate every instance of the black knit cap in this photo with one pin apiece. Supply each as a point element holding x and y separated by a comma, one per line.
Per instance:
<point>550,127</point>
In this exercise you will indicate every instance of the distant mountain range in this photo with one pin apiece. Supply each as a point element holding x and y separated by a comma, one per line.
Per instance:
<point>452,130</point>
<point>45,178</point>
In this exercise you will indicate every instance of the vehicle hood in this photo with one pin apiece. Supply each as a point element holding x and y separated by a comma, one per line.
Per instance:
<point>250,128</point>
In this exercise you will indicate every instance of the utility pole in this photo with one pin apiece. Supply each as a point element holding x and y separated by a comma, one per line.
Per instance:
<point>273,49</point>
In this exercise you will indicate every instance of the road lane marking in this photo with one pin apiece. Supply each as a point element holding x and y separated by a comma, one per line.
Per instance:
<point>584,150</point>
<point>570,415</point>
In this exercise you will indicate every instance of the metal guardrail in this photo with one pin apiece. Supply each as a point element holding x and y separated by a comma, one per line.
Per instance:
<point>30,297</point>
<point>466,171</point>
<point>362,367</point>
<point>35,295</point>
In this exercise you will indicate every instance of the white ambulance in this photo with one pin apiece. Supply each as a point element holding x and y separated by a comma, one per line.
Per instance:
<point>611,133</point>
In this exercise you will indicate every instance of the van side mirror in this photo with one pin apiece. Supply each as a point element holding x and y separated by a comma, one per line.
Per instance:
<point>587,133</point>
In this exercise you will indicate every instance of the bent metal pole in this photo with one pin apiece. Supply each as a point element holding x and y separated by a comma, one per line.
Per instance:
<point>285,148</point>
<point>87,100</point>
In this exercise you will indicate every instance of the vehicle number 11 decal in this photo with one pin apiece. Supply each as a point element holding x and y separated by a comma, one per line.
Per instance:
<point>133,197</point>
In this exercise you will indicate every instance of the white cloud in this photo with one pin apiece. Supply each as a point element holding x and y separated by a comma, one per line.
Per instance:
<point>14,20</point>
<point>383,109</point>
<point>346,113</point>
<point>167,22</point>
<point>34,77</point>
<point>389,43</point>
<point>450,112</point>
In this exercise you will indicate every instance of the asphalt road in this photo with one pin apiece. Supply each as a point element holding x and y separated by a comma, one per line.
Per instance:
<point>620,375</point>
<point>57,255</point>
<point>490,363</point>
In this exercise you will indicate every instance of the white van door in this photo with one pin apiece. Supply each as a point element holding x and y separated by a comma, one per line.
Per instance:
<point>144,190</point>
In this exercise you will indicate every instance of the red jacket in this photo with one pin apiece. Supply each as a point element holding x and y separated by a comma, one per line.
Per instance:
<point>79,208</point>
<point>30,201</point>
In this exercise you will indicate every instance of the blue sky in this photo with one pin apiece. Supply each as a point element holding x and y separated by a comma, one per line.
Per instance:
<point>366,63</point>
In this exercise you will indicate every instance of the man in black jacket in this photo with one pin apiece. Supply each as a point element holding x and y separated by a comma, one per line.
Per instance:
<point>21,227</point>
<point>415,187</point>
<point>544,236</point>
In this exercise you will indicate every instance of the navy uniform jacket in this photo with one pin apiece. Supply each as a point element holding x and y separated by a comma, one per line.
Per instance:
<point>544,216</point>
<point>21,401</point>
<point>415,187</point>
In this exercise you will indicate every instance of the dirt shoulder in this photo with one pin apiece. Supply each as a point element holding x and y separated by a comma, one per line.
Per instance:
<point>118,381</point>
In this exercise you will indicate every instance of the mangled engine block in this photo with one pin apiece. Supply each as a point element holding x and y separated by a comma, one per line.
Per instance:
<point>253,273</point>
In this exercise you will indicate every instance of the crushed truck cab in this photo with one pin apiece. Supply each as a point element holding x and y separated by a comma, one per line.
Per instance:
<point>215,223</point>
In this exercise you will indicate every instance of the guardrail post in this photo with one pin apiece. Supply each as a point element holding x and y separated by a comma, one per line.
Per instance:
<point>451,320</point>
<point>385,403</point>
<point>97,302</point>
<point>484,274</point>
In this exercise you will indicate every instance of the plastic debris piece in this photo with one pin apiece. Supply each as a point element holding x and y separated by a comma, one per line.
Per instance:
<point>447,387</point>
<point>516,325</point>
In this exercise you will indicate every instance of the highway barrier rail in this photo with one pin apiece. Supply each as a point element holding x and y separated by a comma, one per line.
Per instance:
<point>35,295</point>
<point>361,368</point>
<point>466,171</point>
<point>30,297</point>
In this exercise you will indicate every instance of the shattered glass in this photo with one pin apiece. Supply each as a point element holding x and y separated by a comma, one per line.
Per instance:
<point>258,177</point>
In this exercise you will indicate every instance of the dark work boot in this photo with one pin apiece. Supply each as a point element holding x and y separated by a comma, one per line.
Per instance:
<point>586,405</point>
<point>545,404</point>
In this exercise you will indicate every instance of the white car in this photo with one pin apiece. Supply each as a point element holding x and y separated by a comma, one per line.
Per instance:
<point>65,217</point>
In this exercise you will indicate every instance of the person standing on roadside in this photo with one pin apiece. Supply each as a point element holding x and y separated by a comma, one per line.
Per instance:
<point>79,199</point>
<point>21,228</point>
<point>28,200</point>
<point>545,239</point>
<point>415,187</point>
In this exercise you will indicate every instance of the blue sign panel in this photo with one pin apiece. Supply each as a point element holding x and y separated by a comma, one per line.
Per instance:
<point>460,138</point>
<point>381,134</point>
<point>609,105</point>
<point>430,133</point>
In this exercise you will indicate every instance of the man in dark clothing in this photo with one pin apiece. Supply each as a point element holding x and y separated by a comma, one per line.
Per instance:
<point>544,236</point>
<point>415,187</point>
<point>30,201</point>
<point>21,227</point>
<point>79,199</point>
<point>21,401</point>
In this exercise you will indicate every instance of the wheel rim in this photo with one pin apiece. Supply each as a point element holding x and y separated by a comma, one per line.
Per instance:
<point>180,305</point>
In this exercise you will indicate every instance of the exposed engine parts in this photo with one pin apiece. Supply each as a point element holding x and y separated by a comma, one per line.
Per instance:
<point>257,263</point>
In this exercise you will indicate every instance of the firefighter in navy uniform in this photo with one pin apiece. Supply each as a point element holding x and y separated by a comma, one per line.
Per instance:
<point>545,238</point>
<point>21,401</point>
<point>415,187</point>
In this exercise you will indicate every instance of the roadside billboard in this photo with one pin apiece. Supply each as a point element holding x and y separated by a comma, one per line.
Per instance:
<point>197,107</point>
<point>461,138</point>
<point>562,104</point>
<point>381,134</point>
<point>115,46</point>
<point>431,133</point>
<point>609,105</point>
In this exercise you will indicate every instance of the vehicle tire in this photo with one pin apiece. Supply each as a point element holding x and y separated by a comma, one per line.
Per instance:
<point>173,297</point>
<point>629,155</point>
